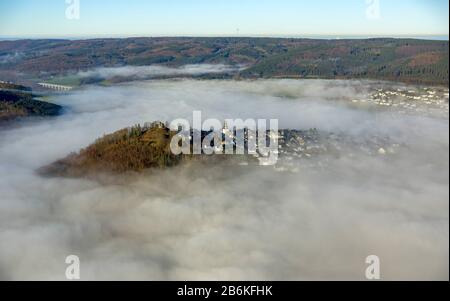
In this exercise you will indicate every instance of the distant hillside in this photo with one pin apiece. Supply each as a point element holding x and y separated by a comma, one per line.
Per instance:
<point>21,104</point>
<point>407,60</point>
<point>412,61</point>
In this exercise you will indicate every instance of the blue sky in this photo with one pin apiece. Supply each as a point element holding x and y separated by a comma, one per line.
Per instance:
<point>47,18</point>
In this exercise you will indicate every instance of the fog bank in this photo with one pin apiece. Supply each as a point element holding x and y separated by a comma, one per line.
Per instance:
<point>144,72</point>
<point>229,223</point>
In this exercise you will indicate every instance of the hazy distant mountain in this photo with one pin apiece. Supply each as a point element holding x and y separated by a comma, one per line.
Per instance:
<point>407,60</point>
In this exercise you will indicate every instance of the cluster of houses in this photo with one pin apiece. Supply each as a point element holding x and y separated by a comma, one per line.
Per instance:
<point>420,100</point>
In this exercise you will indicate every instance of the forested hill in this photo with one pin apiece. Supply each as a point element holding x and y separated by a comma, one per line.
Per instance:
<point>15,104</point>
<point>407,60</point>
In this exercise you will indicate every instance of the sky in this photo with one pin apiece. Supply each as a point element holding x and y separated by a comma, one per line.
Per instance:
<point>99,18</point>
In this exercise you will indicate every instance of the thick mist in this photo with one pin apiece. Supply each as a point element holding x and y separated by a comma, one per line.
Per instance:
<point>222,222</point>
<point>144,72</point>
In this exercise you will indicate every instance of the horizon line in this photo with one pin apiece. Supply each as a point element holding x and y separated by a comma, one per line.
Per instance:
<point>441,37</point>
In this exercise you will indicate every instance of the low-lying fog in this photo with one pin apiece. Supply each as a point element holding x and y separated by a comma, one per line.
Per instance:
<point>144,72</point>
<point>235,223</point>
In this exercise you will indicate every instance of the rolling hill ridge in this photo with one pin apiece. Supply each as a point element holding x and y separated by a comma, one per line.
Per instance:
<point>406,60</point>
